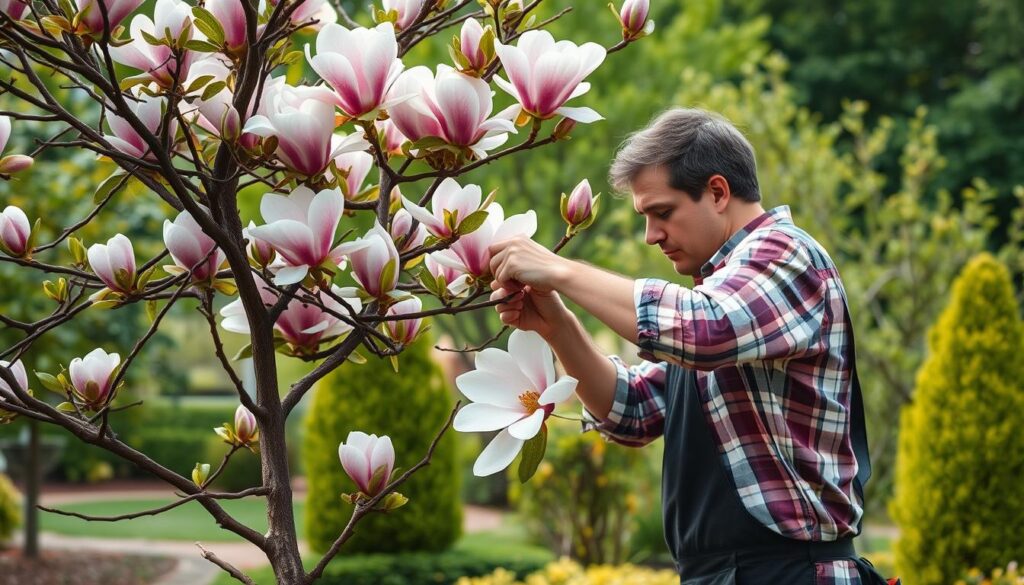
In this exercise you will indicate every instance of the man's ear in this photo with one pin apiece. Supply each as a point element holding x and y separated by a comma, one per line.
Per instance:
<point>718,187</point>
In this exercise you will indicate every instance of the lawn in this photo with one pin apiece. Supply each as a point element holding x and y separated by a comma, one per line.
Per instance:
<point>188,522</point>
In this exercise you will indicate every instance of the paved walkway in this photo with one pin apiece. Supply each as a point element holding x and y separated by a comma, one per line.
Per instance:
<point>192,569</point>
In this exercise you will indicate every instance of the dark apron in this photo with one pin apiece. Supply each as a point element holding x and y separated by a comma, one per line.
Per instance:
<point>711,535</point>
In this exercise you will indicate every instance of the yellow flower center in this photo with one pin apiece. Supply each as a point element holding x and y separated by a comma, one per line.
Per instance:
<point>529,400</point>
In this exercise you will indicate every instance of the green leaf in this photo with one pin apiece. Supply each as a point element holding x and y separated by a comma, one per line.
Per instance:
<point>78,252</point>
<point>213,89</point>
<point>199,82</point>
<point>472,222</point>
<point>201,46</point>
<point>66,407</point>
<point>108,185</point>
<point>208,24</point>
<point>388,274</point>
<point>245,352</point>
<point>151,310</point>
<point>533,454</point>
<point>50,382</point>
<point>356,358</point>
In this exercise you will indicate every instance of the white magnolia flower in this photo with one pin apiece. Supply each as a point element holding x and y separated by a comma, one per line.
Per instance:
<point>515,391</point>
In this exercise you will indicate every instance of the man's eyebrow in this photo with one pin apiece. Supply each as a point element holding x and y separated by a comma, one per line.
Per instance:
<point>652,207</point>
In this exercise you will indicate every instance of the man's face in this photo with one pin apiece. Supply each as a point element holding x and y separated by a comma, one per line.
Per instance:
<point>688,232</point>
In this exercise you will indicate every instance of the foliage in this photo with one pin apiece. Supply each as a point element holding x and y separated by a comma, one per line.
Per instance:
<point>409,406</point>
<point>583,500</point>
<point>421,568</point>
<point>896,250</point>
<point>957,489</point>
<point>243,471</point>
<point>568,572</point>
<point>10,508</point>
<point>1011,575</point>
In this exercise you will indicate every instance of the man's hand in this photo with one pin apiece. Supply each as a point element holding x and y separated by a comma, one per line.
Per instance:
<point>523,262</point>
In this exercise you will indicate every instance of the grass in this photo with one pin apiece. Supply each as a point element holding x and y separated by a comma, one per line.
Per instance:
<point>189,522</point>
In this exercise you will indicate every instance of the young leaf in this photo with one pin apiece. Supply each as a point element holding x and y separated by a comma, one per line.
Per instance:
<point>533,454</point>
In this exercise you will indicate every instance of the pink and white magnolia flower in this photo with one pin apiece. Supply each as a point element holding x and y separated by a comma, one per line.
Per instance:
<point>580,205</point>
<point>114,263</point>
<point>258,250</point>
<point>90,14</point>
<point>401,226</point>
<point>15,231</point>
<point>14,9</point>
<point>391,137</point>
<point>634,18</point>
<point>92,376</point>
<point>149,110</point>
<point>451,199</point>
<point>405,330</point>
<point>309,10</point>
<point>246,429</point>
<point>18,370</point>
<point>408,11</point>
<point>231,16</point>
<point>358,165</point>
<point>452,106</point>
<point>471,254</point>
<point>302,119</point>
<point>370,263</point>
<point>304,325</point>
<point>11,163</point>
<point>469,43</point>
<point>158,61</point>
<point>365,457</point>
<point>191,249</point>
<point>545,74</point>
<point>301,227</point>
<point>455,280</point>
<point>360,65</point>
<point>514,391</point>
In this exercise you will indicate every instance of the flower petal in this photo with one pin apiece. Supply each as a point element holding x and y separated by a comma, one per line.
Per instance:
<point>498,455</point>
<point>479,417</point>
<point>534,357</point>
<point>558,392</point>
<point>528,428</point>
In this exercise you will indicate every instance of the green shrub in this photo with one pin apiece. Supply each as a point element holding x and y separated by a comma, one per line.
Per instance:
<point>584,497</point>
<point>410,407</point>
<point>959,470</point>
<point>244,470</point>
<point>420,568</point>
<point>10,508</point>
<point>177,449</point>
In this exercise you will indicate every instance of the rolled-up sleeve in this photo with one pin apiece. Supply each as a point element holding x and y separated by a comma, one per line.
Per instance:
<point>637,416</point>
<point>769,303</point>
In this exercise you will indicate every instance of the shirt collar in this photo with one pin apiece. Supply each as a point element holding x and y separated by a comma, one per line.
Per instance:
<point>777,215</point>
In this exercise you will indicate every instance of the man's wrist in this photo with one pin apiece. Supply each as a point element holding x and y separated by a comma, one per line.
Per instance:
<point>563,273</point>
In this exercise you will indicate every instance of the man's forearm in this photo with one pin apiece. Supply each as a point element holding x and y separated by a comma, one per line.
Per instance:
<point>605,295</point>
<point>583,360</point>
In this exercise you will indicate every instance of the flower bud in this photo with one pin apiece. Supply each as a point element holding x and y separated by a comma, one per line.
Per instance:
<point>579,206</point>
<point>15,231</point>
<point>246,430</point>
<point>260,252</point>
<point>473,45</point>
<point>200,473</point>
<point>634,18</point>
<point>114,263</point>
<point>369,460</point>
<point>92,377</point>
<point>404,331</point>
<point>401,224</point>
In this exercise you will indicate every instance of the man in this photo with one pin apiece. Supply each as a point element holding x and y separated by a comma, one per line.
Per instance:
<point>750,376</point>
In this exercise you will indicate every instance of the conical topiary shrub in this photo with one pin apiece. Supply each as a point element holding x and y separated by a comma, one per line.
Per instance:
<point>410,407</point>
<point>960,461</point>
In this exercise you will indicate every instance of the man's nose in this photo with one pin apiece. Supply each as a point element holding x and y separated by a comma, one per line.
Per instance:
<point>653,234</point>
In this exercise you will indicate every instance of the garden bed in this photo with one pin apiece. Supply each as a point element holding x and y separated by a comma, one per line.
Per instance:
<point>73,568</point>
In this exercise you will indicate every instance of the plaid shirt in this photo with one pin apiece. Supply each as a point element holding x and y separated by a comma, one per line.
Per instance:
<point>766,329</point>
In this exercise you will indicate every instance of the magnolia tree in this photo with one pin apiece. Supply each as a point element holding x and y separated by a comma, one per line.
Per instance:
<point>193,104</point>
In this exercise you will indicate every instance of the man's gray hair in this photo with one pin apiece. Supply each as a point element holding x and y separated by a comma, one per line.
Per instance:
<point>693,145</point>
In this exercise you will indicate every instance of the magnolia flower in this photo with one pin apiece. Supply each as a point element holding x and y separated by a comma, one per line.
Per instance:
<point>634,18</point>
<point>455,280</point>
<point>545,74</point>
<point>360,64</point>
<point>368,460</point>
<point>469,44</point>
<point>191,248</point>
<point>15,231</point>
<point>246,429</point>
<point>358,165</point>
<point>392,138</point>
<point>320,11</point>
<point>14,162</point>
<point>114,263</point>
<point>405,330</point>
<point>301,229</point>
<point>515,391</point>
<point>258,250</point>
<point>14,9</point>
<point>18,370</point>
<point>375,266</point>
<point>451,203</point>
<point>401,226</point>
<point>451,106</point>
<point>408,10</point>
<point>92,376</point>
<point>90,15</point>
<point>217,113</point>
<point>302,119</point>
<point>470,253</point>
<point>578,208</point>
<point>149,110</point>
<point>231,16</point>
<point>158,61</point>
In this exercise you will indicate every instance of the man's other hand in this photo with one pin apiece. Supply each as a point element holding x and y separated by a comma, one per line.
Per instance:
<point>526,263</point>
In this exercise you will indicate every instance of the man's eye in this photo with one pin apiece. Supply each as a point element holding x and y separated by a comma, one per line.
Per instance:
<point>664,214</point>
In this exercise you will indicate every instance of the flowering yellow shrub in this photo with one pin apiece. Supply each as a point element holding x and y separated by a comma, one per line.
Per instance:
<point>568,572</point>
<point>1012,575</point>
